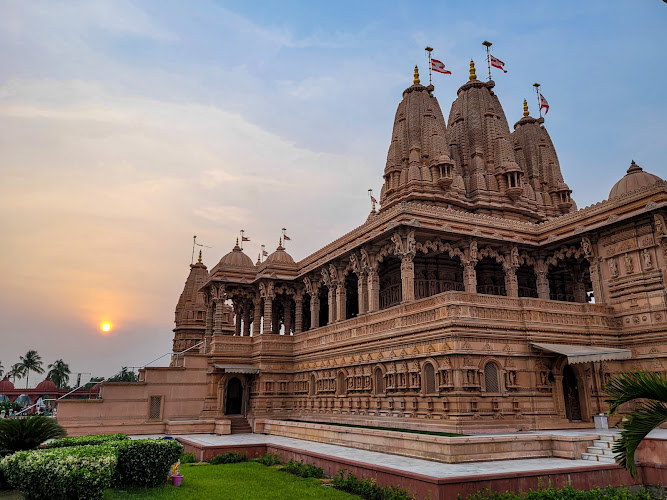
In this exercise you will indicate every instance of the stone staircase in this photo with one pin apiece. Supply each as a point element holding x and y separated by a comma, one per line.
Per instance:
<point>601,451</point>
<point>240,424</point>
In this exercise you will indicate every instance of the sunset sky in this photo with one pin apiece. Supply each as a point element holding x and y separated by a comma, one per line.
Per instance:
<point>128,127</point>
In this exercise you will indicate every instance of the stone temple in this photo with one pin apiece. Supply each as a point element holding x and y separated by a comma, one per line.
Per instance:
<point>477,299</point>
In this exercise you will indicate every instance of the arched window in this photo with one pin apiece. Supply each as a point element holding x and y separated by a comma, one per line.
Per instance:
<point>429,379</point>
<point>340,384</point>
<point>311,389</point>
<point>379,381</point>
<point>491,378</point>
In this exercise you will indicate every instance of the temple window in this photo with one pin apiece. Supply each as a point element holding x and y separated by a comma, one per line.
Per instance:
<point>429,379</point>
<point>379,381</point>
<point>491,379</point>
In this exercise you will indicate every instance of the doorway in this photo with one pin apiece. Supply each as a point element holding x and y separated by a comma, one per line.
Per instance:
<point>571,395</point>
<point>234,397</point>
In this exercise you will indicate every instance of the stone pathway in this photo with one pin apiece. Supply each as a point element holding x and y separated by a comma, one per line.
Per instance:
<point>414,465</point>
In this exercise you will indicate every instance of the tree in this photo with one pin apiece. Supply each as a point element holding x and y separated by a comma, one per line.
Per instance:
<point>17,371</point>
<point>27,433</point>
<point>650,413</point>
<point>31,361</point>
<point>59,373</point>
<point>124,375</point>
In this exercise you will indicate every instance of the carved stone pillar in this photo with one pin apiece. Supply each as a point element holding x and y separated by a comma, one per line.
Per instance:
<point>362,292</point>
<point>298,313</point>
<point>332,304</point>
<point>373,290</point>
<point>268,315</point>
<point>209,318</point>
<point>596,280</point>
<point>579,292</point>
<point>257,317</point>
<point>275,321</point>
<point>288,316</point>
<point>217,322</point>
<point>407,279</point>
<point>341,301</point>
<point>237,318</point>
<point>511,284</point>
<point>541,270</point>
<point>314,310</point>
<point>246,318</point>
<point>470,276</point>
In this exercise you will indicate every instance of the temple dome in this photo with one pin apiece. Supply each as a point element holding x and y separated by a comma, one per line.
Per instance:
<point>46,386</point>
<point>6,385</point>
<point>236,258</point>
<point>280,256</point>
<point>635,178</point>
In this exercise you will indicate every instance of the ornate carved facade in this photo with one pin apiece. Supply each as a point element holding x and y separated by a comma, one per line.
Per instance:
<point>429,313</point>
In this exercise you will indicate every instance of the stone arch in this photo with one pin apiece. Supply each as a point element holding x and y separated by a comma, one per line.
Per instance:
<point>438,268</point>
<point>341,383</point>
<point>233,399</point>
<point>378,380</point>
<point>429,384</point>
<point>312,385</point>
<point>491,371</point>
<point>569,275</point>
<point>490,272</point>
<point>579,399</point>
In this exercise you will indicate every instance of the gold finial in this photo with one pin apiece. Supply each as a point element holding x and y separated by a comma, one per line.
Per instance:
<point>237,241</point>
<point>280,241</point>
<point>525,108</point>
<point>199,259</point>
<point>473,76</point>
<point>416,79</point>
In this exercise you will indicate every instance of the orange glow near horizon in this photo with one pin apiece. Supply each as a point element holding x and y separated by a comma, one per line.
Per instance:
<point>106,327</point>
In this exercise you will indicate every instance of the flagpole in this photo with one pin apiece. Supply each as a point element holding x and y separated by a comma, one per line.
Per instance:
<point>539,104</point>
<point>242,231</point>
<point>263,250</point>
<point>194,242</point>
<point>488,56</point>
<point>429,50</point>
<point>283,239</point>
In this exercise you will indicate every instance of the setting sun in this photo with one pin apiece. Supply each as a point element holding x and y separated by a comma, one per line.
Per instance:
<point>105,327</point>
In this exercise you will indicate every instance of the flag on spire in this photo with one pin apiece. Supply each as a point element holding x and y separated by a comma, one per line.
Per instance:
<point>497,63</point>
<point>544,104</point>
<point>286,238</point>
<point>265,253</point>
<point>243,238</point>
<point>439,67</point>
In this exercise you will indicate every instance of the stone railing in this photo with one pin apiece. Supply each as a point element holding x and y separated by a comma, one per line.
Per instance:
<point>460,307</point>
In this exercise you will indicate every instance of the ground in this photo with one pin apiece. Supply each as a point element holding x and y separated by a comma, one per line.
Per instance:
<point>243,481</point>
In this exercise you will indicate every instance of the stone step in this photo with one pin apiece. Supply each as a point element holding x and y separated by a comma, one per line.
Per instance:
<point>240,425</point>
<point>601,451</point>
<point>598,458</point>
<point>607,437</point>
<point>602,444</point>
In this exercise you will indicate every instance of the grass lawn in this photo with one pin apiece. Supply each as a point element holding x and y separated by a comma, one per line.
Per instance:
<point>243,481</point>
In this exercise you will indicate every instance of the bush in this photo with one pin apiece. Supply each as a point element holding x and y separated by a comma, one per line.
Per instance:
<point>303,470</point>
<point>8,406</point>
<point>145,462</point>
<point>568,493</point>
<point>268,459</point>
<point>86,440</point>
<point>65,473</point>
<point>27,433</point>
<point>368,488</point>
<point>231,457</point>
<point>188,458</point>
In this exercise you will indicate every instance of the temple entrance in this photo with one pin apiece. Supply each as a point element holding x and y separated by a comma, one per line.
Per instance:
<point>234,397</point>
<point>571,395</point>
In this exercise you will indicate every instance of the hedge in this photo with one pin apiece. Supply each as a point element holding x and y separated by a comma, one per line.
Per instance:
<point>85,440</point>
<point>231,457</point>
<point>85,471</point>
<point>567,493</point>
<point>368,488</point>
<point>64,473</point>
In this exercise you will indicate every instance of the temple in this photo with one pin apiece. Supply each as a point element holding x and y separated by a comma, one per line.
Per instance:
<point>478,298</point>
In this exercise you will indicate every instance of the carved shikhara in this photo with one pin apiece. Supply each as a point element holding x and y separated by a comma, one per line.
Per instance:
<point>427,311</point>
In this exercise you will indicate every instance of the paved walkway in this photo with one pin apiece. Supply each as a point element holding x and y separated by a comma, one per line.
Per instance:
<point>414,465</point>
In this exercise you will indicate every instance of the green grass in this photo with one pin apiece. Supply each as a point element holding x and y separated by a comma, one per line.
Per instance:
<point>413,431</point>
<point>241,481</point>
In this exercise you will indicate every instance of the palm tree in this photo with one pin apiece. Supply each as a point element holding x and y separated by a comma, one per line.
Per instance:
<point>17,371</point>
<point>31,361</point>
<point>59,373</point>
<point>650,413</point>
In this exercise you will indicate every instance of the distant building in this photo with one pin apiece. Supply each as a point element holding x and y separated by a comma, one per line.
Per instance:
<point>478,298</point>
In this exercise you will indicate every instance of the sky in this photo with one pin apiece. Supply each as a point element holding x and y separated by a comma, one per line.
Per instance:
<point>127,127</point>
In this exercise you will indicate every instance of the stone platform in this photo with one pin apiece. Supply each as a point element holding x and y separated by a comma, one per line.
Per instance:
<point>432,479</point>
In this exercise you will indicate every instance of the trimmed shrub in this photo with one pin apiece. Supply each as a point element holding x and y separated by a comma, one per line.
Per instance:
<point>368,488</point>
<point>568,493</point>
<point>27,433</point>
<point>230,457</point>
<point>66,473</point>
<point>145,462</point>
<point>86,440</point>
<point>303,470</point>
<point>188,458</point>
<point>268,459</point>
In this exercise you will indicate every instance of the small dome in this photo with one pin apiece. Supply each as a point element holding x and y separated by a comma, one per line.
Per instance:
<point>6,385</point>
<point>280,256</point>
<point>46,386</point>
<point>95,388</point>
<point>236,258</point>
<point>635,178</point>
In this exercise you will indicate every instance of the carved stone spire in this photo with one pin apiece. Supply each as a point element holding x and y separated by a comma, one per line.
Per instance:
<point>190,315</point>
